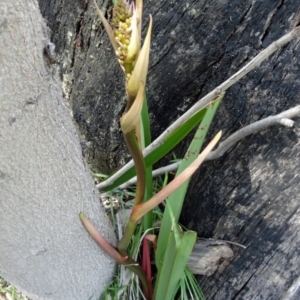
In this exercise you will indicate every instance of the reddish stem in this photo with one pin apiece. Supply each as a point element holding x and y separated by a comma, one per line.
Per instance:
<point>146,265</point>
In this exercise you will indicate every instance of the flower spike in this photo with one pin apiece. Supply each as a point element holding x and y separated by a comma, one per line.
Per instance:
<point>125,37</point>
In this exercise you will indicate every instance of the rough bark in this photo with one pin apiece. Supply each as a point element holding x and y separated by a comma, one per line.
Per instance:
<point>250,195</point>
<point>91,77</point>
<point>44,182</point>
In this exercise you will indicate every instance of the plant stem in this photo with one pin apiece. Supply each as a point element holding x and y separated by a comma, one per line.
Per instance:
<point>126,238</point>
<point>139,163</point>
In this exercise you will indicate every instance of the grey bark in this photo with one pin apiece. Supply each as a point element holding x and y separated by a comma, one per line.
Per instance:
<point>44,182</point>
<point>250,195</point>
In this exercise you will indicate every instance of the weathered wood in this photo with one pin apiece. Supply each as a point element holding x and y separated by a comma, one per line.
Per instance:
<point>207,256</point>
<point>248,196</point>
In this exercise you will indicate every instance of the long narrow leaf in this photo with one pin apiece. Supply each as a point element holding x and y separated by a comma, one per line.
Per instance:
<point>175,201</point>
<point>188,241</point>
<point>174,262</point>
<point>145,141</point>
<point>145,124</point>
<point>166,268</point>
<point>101,241</point>
<point>107,27</point>
<point>113,253</point>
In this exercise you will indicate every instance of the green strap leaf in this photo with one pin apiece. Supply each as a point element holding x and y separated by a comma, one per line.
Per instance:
<point>173,264</point>
<point>145,141</point>
<point>175,201</point>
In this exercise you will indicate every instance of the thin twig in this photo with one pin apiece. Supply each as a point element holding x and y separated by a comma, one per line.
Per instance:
<point>280,119</point>
<point>256,61</point>
<point>252,128</point>
<point>223,241</point>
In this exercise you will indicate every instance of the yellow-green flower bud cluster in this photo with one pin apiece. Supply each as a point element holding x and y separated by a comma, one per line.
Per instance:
<point>121,23</point>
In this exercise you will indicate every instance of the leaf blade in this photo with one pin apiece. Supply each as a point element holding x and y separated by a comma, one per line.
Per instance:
<point>175,201</point>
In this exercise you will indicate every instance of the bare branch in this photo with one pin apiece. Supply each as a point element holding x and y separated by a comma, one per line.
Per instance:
<point>203,102</point>
<point>286,122</point>
<point>282,119</point>
<point>250,129</point>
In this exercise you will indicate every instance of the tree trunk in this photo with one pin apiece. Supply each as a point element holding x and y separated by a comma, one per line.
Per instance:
<point>248,196</point>
<point>44,182</point>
